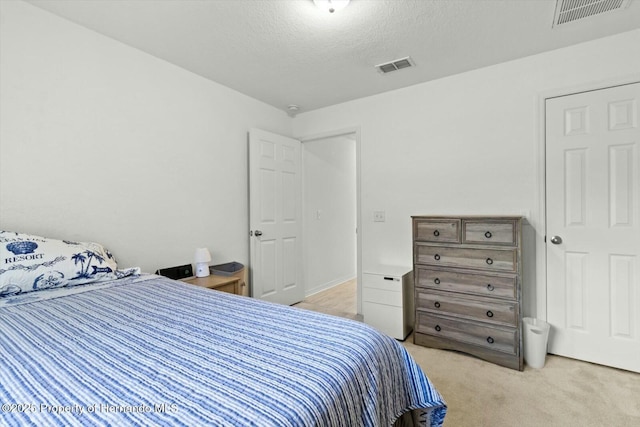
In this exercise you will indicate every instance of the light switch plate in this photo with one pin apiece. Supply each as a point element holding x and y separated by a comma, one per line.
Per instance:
<point>378,216</point>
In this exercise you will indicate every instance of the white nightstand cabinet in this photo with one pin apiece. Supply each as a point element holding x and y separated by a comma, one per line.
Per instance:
<point>387,300</point>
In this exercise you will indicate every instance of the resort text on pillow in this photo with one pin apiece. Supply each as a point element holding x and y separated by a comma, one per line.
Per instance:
<point>31,263</point>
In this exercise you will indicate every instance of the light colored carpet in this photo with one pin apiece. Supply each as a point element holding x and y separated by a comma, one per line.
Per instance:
<point>565,393</point>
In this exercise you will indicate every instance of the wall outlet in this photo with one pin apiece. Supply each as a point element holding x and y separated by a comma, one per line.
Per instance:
<point>378,216</point>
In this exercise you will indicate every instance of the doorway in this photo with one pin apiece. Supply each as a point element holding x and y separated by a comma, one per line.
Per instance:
<point>330,212</point>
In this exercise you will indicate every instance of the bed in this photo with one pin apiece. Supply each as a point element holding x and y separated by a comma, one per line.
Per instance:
<point>139,349</point>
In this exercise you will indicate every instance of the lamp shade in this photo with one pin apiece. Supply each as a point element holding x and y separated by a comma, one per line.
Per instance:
<point>202,255</point>
<point>202,258</point>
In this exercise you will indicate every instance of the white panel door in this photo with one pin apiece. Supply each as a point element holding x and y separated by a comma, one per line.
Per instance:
<point>593,226</point>
<point>275,209</point>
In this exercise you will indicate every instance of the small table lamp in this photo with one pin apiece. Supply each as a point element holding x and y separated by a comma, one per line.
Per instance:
<point>202,260</point>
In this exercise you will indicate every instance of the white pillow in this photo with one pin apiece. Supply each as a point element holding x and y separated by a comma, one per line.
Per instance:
<point>31,263</point>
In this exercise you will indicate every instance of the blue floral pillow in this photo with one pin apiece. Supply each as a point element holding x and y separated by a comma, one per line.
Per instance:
<point>31,263</point>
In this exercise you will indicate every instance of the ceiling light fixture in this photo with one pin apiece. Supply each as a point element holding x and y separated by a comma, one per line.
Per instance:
<point>331,5</point>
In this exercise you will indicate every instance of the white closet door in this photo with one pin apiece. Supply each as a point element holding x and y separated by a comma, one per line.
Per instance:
<point>593,226</point>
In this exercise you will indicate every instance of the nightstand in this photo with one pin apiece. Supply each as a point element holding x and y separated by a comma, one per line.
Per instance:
<point>387,300</point>
<point>219,283</point>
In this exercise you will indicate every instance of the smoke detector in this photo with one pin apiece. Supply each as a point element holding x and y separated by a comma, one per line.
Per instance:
<point>573,10</point>
<point>293,109</point>
<point>395,65</point>
<point>331,5</point>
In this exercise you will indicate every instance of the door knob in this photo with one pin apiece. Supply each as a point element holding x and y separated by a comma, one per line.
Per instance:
<point>258,233</point>
<point>556,240</point>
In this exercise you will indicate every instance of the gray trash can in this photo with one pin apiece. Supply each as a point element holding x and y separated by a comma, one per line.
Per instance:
<point>536,334</point>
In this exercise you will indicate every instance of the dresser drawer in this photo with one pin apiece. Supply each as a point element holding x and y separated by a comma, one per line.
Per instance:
<point>489,232</point>
<point>486,259</point>
<point>437,230</point>
<point>489,337</point>
<point>382,289</point>
<point>379,296</point>
<point>379,281</point>
<point>492,311</point>
<point>479,284</point>
<point>230,288</point>
<point>386,318</point>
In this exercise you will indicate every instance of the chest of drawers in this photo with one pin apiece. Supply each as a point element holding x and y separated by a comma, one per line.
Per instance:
<point>387,300</point>
<point>467,276</point>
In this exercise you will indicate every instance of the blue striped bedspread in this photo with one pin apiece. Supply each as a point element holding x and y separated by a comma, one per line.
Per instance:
<point>156,352</point>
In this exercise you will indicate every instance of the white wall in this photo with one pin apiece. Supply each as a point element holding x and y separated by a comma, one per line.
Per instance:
<point>102,142</point>
<point>329,212</point>
<point>465,144</point>
<point>99,141</point>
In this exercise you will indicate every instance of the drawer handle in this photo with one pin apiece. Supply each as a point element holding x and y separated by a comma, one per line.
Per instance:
<point>436,257</point>
<point>490,287</point>
<point>437,304</point>
<point>489,261</point>
<point>438,328</point>
<point>488,234</point>
<point>436,233</point>
<point>436,281</point>
<point>489,313</point>
<point>490,340</point>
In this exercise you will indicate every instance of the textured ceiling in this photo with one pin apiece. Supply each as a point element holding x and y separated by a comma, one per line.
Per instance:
<point>287,52</point>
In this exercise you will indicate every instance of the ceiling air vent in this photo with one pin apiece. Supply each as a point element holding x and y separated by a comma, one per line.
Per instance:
<point>573,10</point>
<point>394,65</point>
